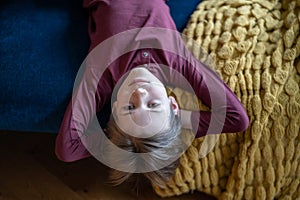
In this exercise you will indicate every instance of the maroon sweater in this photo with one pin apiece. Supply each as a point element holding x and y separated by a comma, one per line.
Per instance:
<point>156,44</point>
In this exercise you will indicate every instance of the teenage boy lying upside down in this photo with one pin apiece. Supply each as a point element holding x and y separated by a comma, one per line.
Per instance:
<point>135,52</point>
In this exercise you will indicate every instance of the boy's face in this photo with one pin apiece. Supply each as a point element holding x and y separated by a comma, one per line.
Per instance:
<point>142,107</point>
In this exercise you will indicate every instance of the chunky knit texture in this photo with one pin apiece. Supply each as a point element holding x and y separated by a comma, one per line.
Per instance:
<point>255,46</point>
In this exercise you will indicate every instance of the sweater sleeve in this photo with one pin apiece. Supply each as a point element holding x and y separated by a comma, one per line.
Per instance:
<point>226,115</point>
<point>68,146</point>
<point>76,131</point>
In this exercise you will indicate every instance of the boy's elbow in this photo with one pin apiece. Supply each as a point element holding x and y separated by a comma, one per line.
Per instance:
<point>64,151</point>
<point>63,156</point>
<point>242,123</point>
<point>68,152</point>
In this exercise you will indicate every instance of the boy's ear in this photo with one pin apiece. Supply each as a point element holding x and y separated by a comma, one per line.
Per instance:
<point>114,107</point>
<point>114,110</point>
<point>174,105</point>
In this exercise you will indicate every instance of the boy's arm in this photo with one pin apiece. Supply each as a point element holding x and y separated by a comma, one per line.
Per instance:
<point>68,146</point>
<point>77,132</point>
<point>226,113</point>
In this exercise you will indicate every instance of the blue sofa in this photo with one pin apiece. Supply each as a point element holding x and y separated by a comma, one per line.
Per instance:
<point>42,45</point>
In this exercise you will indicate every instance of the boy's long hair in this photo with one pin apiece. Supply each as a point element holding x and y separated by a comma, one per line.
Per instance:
<point>169,140</point>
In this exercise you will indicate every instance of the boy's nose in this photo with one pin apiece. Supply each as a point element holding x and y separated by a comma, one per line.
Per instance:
<point>137,95</point>
<point>141,117</point>
<point>140,91</point>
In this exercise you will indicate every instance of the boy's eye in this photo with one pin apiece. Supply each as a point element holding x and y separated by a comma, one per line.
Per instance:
<point>153,105</point>
<point>129,107</point>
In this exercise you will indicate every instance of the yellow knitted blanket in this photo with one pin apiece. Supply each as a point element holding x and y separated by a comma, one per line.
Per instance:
<point>255,46</point>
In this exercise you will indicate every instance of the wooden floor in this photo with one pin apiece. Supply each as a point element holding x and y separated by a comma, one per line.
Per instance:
<point>30,170</point>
